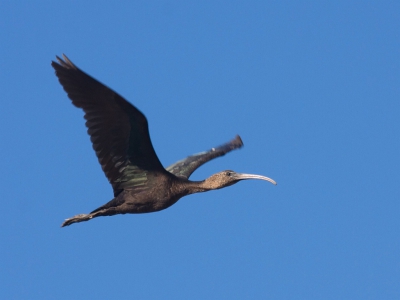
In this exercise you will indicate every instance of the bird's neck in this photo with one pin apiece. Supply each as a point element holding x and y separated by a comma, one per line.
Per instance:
<point>193,187</point>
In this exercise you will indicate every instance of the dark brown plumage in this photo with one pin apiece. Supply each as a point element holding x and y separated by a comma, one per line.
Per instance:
<point>120,136</point>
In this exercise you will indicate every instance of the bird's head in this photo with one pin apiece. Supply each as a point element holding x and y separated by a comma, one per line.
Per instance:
<point>229,177</point>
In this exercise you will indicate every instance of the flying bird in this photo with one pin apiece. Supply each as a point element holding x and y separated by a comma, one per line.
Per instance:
<point>120,136</point>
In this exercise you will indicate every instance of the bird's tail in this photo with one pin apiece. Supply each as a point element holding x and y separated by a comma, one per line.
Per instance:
<point>76,219</point>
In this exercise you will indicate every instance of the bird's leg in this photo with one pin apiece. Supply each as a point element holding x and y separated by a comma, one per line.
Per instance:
<point>76,219</point>
<point>86,217</point>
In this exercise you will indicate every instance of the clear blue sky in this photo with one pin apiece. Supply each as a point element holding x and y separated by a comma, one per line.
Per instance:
<point>313,89</point>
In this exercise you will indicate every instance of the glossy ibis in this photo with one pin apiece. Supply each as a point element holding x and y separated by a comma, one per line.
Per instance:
<point>120,136</point>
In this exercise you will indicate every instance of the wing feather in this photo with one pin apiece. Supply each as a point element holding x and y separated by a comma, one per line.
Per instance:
<point>185,167</point>
<point>118,130</point>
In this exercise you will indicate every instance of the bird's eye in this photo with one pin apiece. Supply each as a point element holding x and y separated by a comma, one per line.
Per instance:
<point>228,173</point>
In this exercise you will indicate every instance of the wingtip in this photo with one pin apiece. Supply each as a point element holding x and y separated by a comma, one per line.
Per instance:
<point>64,62</point>
<point>66,223</point>
<point>237,142</point>
<point>66,59</point>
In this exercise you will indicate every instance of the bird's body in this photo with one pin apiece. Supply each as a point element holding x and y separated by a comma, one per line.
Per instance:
<point>121,140</point>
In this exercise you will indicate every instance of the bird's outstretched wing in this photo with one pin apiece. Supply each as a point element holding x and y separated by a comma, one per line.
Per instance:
<point>118,130</point>
<point>185,167</point>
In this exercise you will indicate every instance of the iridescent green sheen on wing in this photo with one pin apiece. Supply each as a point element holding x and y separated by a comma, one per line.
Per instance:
<point>131,177</point>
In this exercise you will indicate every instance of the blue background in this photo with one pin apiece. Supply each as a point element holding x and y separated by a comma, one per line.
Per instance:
<point>313,89</point>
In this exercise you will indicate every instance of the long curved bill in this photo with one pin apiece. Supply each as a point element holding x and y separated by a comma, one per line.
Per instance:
<point>241,176</point>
